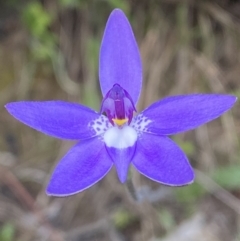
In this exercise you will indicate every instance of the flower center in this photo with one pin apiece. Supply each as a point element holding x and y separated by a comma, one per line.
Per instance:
<point>118,106</point>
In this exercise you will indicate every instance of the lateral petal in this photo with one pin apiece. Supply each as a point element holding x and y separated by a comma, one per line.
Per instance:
<point>160,159</point>
<point>84,165</point>
<point>59,119</point>
<point>120,61</point>
<point>184,112</point>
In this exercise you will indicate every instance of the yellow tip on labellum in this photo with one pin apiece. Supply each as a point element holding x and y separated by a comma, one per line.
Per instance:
<point>120,122</point>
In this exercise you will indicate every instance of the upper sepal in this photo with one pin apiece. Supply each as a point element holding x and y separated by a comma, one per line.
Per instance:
<point>119,57</point>
<point>56,118</point>
<point>184,112</point>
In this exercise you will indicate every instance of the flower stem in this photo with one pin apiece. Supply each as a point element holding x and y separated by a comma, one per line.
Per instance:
<point>132,190</point>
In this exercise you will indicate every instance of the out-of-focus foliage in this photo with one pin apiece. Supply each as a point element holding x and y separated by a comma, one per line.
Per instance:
<point>190,194</point>
<point>166,219</point>
<point>37,19</point>
<point>122,218</point>
<point>38,22</point>
<point>228,176</point>
<point>72,3</point>
<point>187,146</point>
<point>7,232</point>
<point>122,4</point>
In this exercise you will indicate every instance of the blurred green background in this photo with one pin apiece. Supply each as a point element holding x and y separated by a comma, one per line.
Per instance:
<point>49,50</point>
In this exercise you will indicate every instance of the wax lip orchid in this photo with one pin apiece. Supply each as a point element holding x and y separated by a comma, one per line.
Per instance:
<point>115,136</point>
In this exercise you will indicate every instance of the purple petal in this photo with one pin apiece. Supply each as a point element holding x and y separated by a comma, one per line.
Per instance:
<point>184,112</point>
<point>120,61</point>
<point>122,158</point>
<point>55,118</point>
<point>121,145</point>
<point>160,159</point>
<point>84,165</point>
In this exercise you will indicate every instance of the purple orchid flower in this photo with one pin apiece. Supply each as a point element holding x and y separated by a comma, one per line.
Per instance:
<point>115,135</point>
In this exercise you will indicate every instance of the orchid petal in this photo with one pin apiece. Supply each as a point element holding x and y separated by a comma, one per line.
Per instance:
<point>83,166</point>
<point>57,118</point>
<point>120,61</point>
<point>184,112</point>
<point>160,159</point>
<point>121,145</point>
<point>122,159</point>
